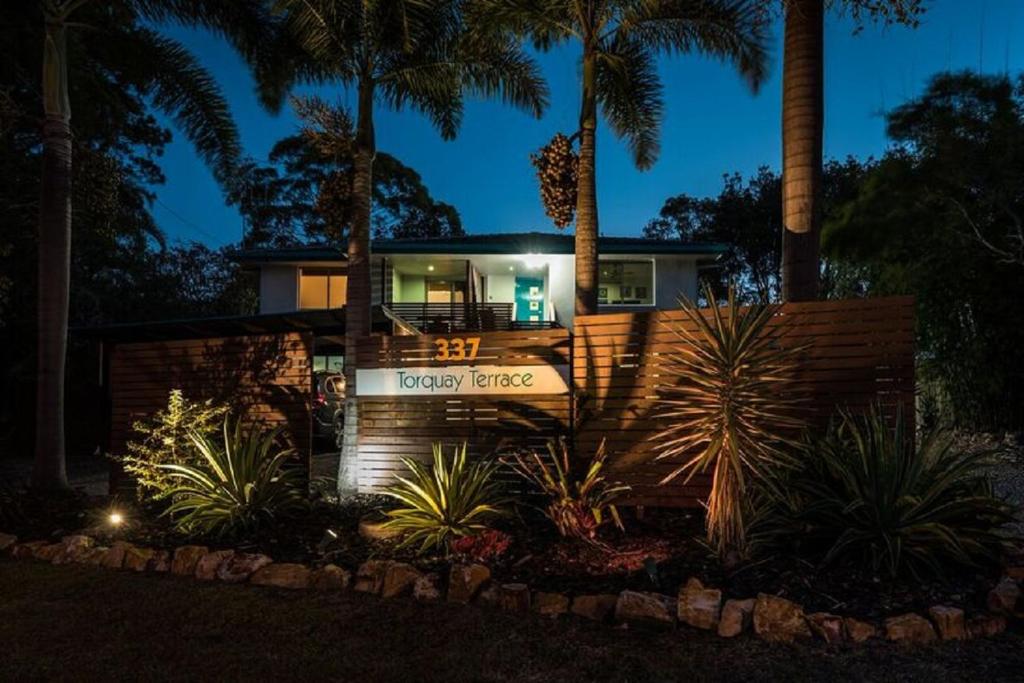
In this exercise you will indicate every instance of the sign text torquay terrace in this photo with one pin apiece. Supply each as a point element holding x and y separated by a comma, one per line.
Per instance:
<point>461,381</point>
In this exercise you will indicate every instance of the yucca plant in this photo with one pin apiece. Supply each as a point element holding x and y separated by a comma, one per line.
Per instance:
<point>450,499</point>
<point>863,495</point>
<point>579,501</point>
<point>237,486</point>
<point>729,406</point>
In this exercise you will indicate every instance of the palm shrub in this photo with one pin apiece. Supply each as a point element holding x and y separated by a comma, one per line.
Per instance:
<point>579,502</point>
<point>863,494</point>
<point>237,486</point>
<point>164,439</point>
<point>729,406</point>
<point>448,500</point>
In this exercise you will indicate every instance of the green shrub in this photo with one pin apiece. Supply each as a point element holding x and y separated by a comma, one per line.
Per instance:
<point>164,440</point>
<point>862,494</point>
<point>236,487</point>
<point>448,500</point>
<point>579,502</point>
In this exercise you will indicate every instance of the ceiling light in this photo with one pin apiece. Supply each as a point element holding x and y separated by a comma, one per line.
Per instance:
<point>430,268</point>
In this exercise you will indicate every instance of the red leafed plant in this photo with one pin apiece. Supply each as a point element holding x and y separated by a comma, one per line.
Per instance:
<point>485,547</point>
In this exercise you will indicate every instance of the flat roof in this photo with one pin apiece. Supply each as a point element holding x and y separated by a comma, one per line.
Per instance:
<point>505,243</point>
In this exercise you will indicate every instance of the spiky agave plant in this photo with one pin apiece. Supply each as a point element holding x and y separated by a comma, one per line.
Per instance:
<point>579,502</point>
<point>862,494</point>
<point>730,407</point>
<point>235,486</point>
<point>450,499</point>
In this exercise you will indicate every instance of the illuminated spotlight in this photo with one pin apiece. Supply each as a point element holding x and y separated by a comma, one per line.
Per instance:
<point>430,268</point>
<point>332,533</point>
<point>115,519</point>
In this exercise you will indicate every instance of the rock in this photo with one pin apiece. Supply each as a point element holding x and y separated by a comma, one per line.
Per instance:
<point>736,617</point>
<point>114,559</point>
<point>49,552</point>
<point>137,559</point>
<point>372,528</point>
<point>514,597</point>
<point>186,558</point>
<point>489,596</point>
<point>550,604</point>
<point>370,576</point>
<point>858,631</point>
<point>651,609</point>
<point>986,626</point>
<point>282,575</point>
<point>208,564</point>
<point>26,551</point>
<point>826,626</point>
<point>594,607</point>
<point>1003,598</point>
<point>427,588</point>
<point>1015,573</point>
<point>698,606</point>
<point>909,628</point>
<point>464,582</point>
<point>74,547</point>
<point>7,541</point>
<point>330,577</point>
<point>779,620</point>
<point>399,579</point>
<point>240,566</point>
<point>94,555</point>
<point>160,562</point>
<point>949,622</point>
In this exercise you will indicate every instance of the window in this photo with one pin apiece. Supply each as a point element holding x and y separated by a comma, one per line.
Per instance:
<point>322,288</point>
<point>445,291</point>
<point>628,283</point>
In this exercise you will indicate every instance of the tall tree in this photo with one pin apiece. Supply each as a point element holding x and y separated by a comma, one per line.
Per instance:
<point>179,86</point>
<point>399,53</point>
<point>803,124</point>
<point>620,41</point>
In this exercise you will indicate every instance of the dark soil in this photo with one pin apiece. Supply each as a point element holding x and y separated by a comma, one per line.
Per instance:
<point>87,624</point>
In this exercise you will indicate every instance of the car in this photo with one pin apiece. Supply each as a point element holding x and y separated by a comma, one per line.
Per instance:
<point>328,404</point>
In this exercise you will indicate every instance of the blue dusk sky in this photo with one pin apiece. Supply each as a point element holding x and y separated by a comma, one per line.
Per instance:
<point>713,124</point>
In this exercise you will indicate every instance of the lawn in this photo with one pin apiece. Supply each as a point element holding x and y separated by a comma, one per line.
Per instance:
<point>83,623</point>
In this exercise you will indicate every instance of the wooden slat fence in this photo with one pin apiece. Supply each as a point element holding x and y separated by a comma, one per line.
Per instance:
<point>267,379</point>
<point>395,427</point>
<point>861,351</point>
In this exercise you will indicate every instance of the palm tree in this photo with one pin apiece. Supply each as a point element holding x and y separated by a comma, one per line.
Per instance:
<point>803,125</point>
<point>116,38</point>
<point>619,44</point>
<point>398,53</point>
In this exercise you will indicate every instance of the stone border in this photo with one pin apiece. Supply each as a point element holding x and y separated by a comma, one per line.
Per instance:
<point>770,617</point>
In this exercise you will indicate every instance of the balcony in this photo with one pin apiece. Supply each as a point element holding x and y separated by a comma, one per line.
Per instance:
<point>446,318</point>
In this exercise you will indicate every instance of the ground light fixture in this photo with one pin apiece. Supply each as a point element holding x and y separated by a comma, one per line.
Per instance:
<point>115,519</point>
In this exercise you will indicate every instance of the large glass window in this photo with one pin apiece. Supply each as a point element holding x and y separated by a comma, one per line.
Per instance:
<point>445,291</point>
<point>626,283</point>
<point>322,288</point>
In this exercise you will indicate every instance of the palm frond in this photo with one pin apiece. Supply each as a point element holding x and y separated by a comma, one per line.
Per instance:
<point>184,90</point>
<point>731,30</point>
<point>629,92</point>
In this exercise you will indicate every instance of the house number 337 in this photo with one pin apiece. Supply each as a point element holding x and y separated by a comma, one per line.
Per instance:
<point>457,348</point>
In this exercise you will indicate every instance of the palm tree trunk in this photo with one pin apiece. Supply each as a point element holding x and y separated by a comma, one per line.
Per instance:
<point>803,120</point>
<point>586,194</point>
<point>49,470</point>
<point>357,305</point>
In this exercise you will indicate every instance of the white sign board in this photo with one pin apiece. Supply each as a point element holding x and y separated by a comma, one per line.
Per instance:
<point>463,380</point>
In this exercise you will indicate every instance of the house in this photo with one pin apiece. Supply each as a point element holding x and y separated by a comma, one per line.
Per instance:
<point>482,282</point>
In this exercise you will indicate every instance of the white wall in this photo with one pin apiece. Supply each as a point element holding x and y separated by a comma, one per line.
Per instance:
<point>561,286</point>
<point>501,289</point>
<point>279,289</point>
